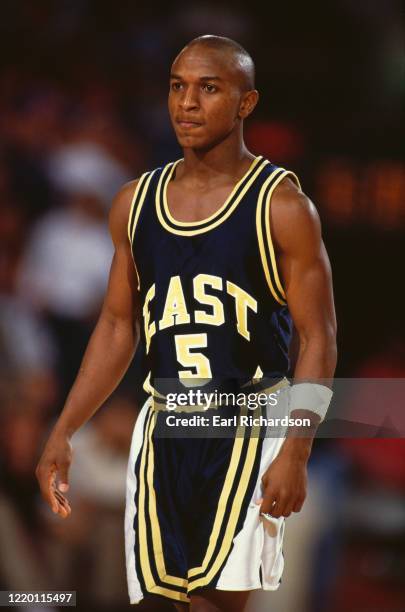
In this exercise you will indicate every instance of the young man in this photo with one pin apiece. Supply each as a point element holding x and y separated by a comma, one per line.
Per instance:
<point>214,255</point>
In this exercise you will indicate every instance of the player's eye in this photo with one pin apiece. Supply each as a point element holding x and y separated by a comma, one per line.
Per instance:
<point>209,88</point>
<point>176,86</point>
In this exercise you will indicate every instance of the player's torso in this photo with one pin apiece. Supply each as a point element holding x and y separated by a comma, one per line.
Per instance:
<point>212,301</point>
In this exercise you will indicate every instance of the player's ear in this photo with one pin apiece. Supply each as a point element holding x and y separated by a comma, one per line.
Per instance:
<point>248,103</point>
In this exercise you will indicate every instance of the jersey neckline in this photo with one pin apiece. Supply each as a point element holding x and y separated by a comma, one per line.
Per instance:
<point>192,228</point>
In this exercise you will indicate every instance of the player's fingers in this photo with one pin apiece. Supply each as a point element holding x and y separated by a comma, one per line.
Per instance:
<point>46,477</point>
<point>288,508</point>
<point>61,498</point>
<point>55,504</point>
<point>63,476</point>
<point>278,509</point>
<point>64,508</point>
<point>281,504</point>
<point>57,501</point>
<point>63,512</point>
<point>268,504</point>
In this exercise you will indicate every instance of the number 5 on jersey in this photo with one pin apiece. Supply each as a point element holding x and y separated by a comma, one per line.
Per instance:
<point>184,345</point>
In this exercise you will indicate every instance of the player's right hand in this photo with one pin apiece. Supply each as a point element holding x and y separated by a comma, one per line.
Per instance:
<point>54,465</point>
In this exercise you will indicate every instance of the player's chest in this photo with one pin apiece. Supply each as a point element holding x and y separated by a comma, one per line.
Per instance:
<point>193,205</point>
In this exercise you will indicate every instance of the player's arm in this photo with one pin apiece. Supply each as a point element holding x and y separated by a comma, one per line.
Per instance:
<point>105,361</point>
<point>306,276</point>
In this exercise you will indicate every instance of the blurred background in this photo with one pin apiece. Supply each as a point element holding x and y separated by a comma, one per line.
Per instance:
<point>83,88</point>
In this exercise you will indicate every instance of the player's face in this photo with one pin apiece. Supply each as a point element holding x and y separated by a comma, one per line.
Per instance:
<point>205,97</point>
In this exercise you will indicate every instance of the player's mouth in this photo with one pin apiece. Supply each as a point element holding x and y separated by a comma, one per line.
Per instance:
<point>188,125</point>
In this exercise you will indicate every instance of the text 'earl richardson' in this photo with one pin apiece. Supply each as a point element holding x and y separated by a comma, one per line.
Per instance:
<point>175,311</point>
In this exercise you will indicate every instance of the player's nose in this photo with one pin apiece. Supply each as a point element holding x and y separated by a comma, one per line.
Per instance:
<point>189,100</point>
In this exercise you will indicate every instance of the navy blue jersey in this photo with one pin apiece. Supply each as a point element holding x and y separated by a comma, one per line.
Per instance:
<point>212,301</point>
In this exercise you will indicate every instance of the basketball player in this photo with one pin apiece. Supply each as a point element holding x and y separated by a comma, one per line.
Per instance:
<point>215,255</point>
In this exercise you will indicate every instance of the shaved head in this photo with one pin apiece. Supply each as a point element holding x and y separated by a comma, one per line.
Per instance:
<point>211,92</point>
<point>238,56</point>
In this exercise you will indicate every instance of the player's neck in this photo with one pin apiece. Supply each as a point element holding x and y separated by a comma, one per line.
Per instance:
<point>226,158</point>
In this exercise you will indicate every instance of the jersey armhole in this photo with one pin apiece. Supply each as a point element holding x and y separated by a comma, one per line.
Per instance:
<point>266,247</point>
<point>138,200</point>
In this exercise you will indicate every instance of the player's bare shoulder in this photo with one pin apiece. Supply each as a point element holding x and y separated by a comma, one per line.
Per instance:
<point>120,210</point>
<point>294,217</point>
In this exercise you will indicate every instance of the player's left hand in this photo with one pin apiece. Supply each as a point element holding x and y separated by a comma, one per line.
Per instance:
<point>284,486</point>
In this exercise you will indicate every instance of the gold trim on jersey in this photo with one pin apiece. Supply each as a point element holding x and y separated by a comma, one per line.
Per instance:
<point>266,247</point>
<point>138,200</point>
<point>211,222</point>
<point>131,210</point>
<point>214,215</point>
<point>130,216</point>
<point>268,231</point>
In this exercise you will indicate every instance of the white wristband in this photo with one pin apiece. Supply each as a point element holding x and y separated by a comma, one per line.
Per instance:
<point>310,396</point>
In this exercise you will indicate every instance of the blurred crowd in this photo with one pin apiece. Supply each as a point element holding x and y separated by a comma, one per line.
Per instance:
<point>82,110</point>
